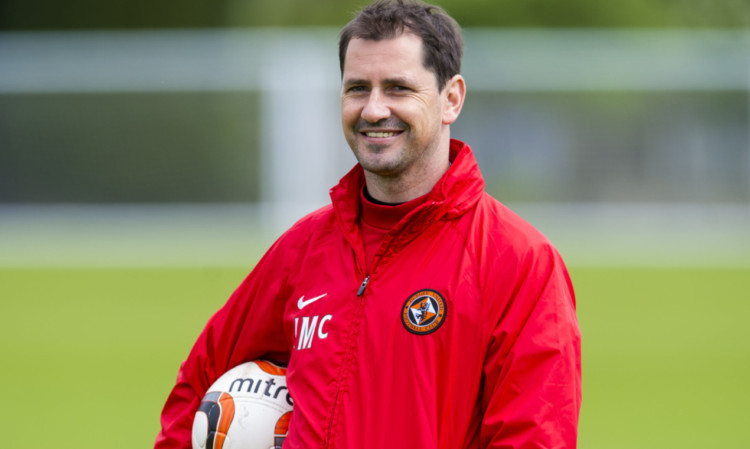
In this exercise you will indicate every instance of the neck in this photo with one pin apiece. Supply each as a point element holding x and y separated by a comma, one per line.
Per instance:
<point>397,190</point>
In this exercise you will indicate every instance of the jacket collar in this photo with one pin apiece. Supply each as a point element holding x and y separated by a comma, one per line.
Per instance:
<point>457,191</point>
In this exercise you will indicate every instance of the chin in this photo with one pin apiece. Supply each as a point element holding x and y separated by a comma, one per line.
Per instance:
<point>380,167</point>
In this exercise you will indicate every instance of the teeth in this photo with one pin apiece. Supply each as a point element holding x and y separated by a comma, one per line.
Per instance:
<point>379,134</point>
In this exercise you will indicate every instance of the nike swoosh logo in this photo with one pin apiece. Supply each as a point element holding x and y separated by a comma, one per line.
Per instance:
<point>301,304</point>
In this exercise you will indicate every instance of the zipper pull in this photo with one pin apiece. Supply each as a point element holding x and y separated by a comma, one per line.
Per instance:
<point>363,286</point>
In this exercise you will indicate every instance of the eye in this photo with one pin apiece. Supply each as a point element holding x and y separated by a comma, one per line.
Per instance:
<point>354,89</point>
<point>400,88</point>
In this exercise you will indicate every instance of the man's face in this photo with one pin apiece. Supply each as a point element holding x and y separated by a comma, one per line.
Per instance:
<point>391,110</point>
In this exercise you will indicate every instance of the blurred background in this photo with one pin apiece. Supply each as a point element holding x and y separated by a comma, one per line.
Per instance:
<point>150,151</point>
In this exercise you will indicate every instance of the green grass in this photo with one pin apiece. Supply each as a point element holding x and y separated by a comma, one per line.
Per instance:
<point>90,355</point>
<point>666,357</point>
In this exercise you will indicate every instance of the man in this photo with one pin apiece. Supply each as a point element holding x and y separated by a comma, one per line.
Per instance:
<point>433,316</point>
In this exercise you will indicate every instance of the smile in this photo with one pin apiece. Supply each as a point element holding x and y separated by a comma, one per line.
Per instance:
<point>380,134</point>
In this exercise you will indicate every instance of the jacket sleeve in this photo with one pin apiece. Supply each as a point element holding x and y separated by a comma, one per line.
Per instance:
<point>532,390</point>
<point>249,326</point>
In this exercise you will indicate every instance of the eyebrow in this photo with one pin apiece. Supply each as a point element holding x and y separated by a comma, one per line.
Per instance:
<point>355,81</point>
<point>399,80</point>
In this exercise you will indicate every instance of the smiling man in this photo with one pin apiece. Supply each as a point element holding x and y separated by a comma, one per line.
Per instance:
<point>414,311</point>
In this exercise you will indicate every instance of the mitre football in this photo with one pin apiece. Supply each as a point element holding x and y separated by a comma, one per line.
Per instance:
<point>246,408</point>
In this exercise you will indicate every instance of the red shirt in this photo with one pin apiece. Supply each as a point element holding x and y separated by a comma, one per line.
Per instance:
<point>378,218</point>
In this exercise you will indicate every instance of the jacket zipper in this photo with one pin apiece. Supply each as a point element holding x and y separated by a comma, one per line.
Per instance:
<point>360,292</point>
<point>362,287</point>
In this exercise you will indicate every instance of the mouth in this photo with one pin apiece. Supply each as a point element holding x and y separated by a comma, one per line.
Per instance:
<point>380,134</point>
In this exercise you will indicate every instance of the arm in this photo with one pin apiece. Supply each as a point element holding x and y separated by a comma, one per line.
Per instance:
<point>248,327</point>
<point>532,392</point>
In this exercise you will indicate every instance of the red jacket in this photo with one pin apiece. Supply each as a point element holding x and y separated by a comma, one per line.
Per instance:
<point>463,335</point>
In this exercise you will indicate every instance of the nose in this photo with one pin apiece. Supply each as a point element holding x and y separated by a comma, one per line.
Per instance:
<point>376,108</point>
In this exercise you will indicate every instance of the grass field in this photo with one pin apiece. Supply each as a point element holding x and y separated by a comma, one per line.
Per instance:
<point>89,355</point>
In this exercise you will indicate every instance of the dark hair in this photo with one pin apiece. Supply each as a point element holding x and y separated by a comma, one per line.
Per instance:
<point>387,19</point>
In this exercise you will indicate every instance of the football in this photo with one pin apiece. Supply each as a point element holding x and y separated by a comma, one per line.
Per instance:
<point>246,408</point>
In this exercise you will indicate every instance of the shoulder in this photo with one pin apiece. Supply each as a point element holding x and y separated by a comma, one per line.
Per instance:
<point>516,262</point>
<point>315,221</point>
<point>307,228</point>
<point>506,246</point>
<point>499,227</point>
<point>294,243</point>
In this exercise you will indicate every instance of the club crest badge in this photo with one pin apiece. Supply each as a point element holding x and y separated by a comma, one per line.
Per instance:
<point>424,312</point>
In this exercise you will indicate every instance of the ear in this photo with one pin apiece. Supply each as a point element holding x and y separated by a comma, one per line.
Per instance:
<point>455,93</point>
